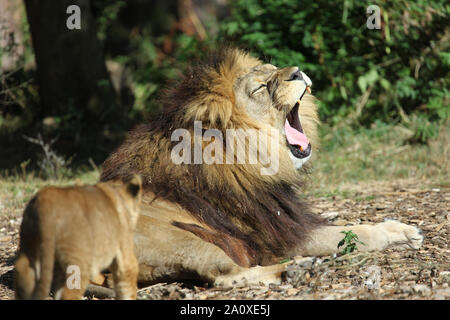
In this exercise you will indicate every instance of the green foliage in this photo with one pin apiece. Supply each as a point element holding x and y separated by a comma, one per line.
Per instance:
<point>109,12</point>
<point>422,129</point>
<point>350,240</point>
<point>357,73</point>
<point>152,49</point>
<point>152,68</point>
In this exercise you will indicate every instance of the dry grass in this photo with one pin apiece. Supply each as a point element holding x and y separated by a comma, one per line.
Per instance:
<point>18,188</point>
<point>371,157</point>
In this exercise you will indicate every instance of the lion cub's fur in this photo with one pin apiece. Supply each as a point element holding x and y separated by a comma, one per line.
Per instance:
<point>85,228</point>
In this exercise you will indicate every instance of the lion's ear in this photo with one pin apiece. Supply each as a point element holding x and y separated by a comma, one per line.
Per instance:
<point>134,186</point>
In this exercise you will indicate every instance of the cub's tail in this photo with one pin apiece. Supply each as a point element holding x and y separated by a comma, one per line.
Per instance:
<point>34,266</point>
<point>25,278</point>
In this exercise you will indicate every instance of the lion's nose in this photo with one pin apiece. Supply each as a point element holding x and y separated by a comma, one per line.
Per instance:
<point>306,79</point>
<point>300,75</point>
<point>297,75</point>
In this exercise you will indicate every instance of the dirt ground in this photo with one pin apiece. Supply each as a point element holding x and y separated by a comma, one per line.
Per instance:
<point>391,274</point>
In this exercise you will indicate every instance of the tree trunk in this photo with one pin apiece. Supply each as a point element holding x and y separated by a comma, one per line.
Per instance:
<point>72,77</point>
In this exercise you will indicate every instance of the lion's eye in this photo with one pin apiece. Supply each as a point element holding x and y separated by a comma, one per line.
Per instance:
<point>259,89</point>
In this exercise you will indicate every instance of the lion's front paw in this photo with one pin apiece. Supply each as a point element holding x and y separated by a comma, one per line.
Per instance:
<point>252,276</point>
<point>403,235</point>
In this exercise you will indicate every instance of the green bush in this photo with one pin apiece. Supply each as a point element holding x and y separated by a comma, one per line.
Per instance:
<point>151,68</point>
<point>358,73</point>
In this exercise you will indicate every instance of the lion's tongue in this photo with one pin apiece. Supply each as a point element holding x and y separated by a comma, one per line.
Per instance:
<point>295,137</point>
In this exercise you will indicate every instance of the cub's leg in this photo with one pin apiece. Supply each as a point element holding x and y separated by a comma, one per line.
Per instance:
<point>59,281</point>
<point>25,278</point>
<point>324,240</point>
<point>125,271</point>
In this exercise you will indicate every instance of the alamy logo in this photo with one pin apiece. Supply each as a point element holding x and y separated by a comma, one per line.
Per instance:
<point>73,280</point>
<point>74,20</point>
<point>372,277</point>
<point>374,18</point>
<point>249,146</point>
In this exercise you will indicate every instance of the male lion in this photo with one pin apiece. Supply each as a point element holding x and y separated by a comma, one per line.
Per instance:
<point>69,235</point>
<point>221,222</point>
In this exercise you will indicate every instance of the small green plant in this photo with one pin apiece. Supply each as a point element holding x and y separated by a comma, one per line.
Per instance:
<point>284,261</point>
<point>350,240</point>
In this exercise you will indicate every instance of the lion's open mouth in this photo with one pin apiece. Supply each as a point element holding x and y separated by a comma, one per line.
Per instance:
<point>297,141</point>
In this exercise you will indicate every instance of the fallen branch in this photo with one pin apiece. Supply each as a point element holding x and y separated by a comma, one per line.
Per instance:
<point>100,292</point>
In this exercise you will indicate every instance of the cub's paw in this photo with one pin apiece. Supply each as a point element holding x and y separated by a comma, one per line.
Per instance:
<point>402,235</point>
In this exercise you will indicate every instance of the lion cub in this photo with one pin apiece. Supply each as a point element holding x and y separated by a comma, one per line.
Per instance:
<point>69,235</point>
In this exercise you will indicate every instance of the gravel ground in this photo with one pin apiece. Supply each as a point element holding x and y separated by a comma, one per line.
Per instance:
<point>391,274</point>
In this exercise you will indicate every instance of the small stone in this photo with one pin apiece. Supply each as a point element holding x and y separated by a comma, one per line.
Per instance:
<point>421,288</point>
<point>292,291</point>
<point>305,263</point>
<point>330,215</point>
<point>6,239</point>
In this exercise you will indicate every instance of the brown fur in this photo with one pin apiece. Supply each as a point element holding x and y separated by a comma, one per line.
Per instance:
<point>85,226</point>
<point>262,214</point>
